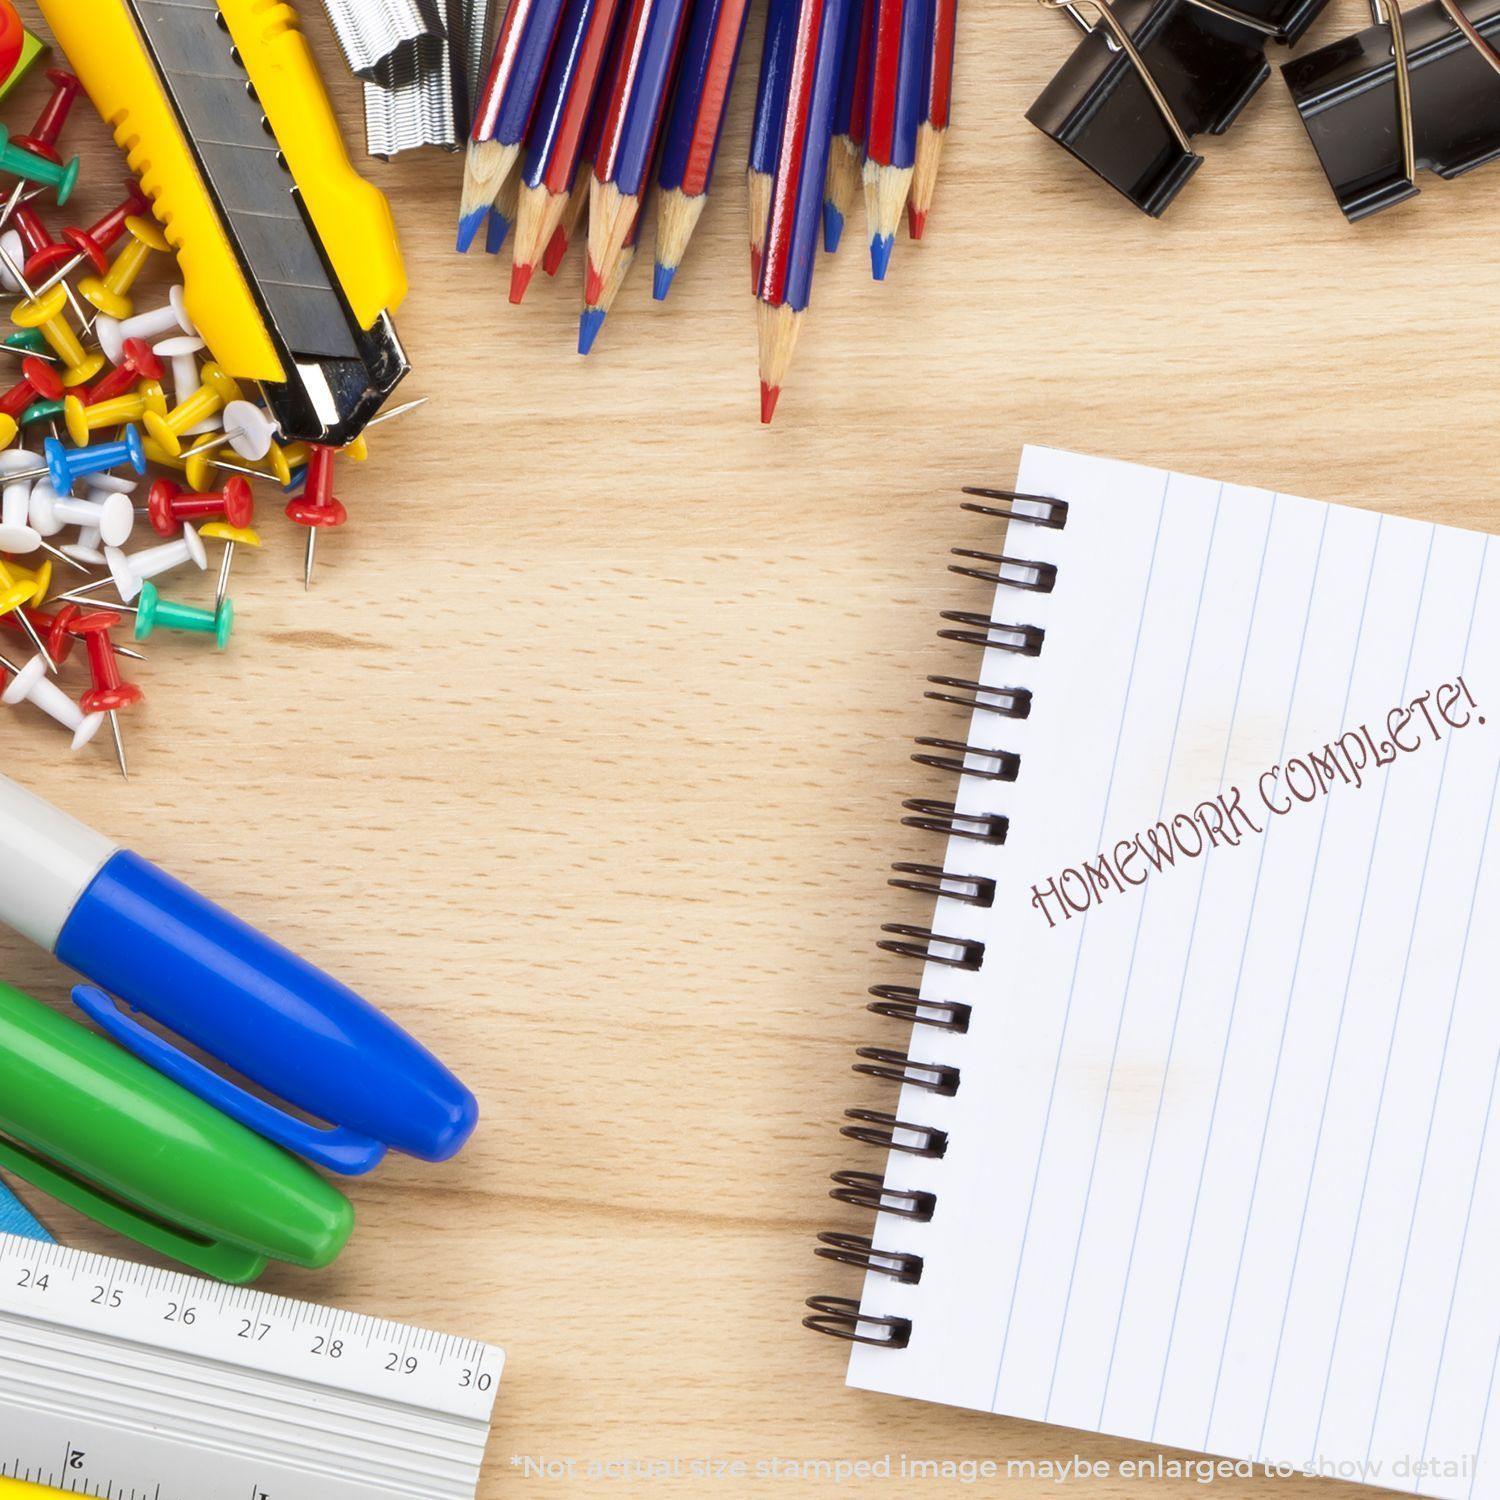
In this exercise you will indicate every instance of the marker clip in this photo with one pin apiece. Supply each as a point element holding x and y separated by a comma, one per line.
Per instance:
<point>337,1150</point>
<point>1152,75</point>
<point>232,1263</point>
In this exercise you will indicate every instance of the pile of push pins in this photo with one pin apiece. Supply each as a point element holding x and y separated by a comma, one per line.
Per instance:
<point>84,424</point>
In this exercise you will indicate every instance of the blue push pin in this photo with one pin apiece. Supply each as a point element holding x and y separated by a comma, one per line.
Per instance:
<point>64,465</point>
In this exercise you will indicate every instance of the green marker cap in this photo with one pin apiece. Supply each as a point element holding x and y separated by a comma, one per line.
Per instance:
<point>104,1133</point>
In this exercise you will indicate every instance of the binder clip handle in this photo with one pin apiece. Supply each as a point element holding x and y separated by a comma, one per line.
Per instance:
<point>337,1150</point>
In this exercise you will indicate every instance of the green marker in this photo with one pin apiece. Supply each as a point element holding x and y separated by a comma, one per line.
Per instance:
<point>20,162</point>
<point>156,613</point>
<point>106,1134</point>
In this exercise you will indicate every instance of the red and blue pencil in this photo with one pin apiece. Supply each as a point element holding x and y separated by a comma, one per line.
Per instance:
<point>695,123</point>
<point>583,178</point>
<point>932,134</point>
<point>636,96</point>
<point>765,133</point>
<point>797,195</point>
<point>851,120</point>
<point>502,113</point>
<point>591,319</point>
<point>899,67</point>
<point>558,127</point>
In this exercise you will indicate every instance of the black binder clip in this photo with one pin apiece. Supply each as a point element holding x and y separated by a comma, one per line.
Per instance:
<point>1151,76</point>
<point>1419,90</point>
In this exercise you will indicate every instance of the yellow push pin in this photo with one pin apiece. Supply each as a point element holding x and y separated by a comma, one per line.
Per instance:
<point>46,314</point>
<point>14,594</point>
<point>38,579</point>
<point>217,390</point>
<point>110,294</point>
<point>81,420</point>
<point>232,537</point>
<point>196,467</point>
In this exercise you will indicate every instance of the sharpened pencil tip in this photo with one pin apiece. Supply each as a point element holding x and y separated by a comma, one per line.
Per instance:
<point>661,281</point>
<point>916,221</point>
<point>833,228</point>
<point>593,284</point>
<point>468,227</point>
<point>590,321</point>
<point>557,249</point>
<point>520,279</point>
<point>495,231</point>
<point>769,396</point>
<point>880,254</point>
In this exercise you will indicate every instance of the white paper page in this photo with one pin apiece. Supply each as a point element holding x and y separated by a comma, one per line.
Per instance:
<point>1222,1170</point>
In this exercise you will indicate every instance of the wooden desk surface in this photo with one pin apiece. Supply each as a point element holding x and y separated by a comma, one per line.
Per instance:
<point>583,755</point>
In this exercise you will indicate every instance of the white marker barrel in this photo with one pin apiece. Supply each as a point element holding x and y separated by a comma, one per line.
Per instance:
<point>47,861</point>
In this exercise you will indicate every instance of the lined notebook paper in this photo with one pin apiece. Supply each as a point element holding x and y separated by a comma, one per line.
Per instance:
<point>1223,1167</point>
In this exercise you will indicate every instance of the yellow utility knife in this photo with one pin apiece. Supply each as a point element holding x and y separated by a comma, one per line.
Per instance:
<point>290,262</point>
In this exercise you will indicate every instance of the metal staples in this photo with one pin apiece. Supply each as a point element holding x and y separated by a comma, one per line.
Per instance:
<point>373,32</point>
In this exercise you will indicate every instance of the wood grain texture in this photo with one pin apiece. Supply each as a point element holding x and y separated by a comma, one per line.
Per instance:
<point>583,756</point>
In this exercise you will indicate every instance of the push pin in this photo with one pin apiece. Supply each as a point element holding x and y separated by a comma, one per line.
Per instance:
<point>44,135</point>
<point>81,420</point>
<point>17,533</point>
<point>108,511</point>
<point>1128,110</point>
<point>1411,91</point>
<point>168,505</point>
<point>37,242</point>
<point>217,390</point>
<point>15,594</point>
<point>180,350</point>
<point>65,467</point>
<point>46,313</point>
<point>232,537</point>
<point>155,613</point>
<point>110,693</point>
<point>137,363</point>
<point>316,507</point>
<point>38,382</point>
<point>194,465</point>
<point>92,244</point>
<point>129,573</point>
<point>54,628</point>
<point>171,317</point>
<point>30,684</point>
<point>17,161</point>
<point>110,293</point>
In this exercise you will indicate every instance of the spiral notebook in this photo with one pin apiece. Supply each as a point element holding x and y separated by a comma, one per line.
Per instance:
<point>1196,1141</point>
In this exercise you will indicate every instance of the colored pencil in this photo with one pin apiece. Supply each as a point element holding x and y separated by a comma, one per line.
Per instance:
<point>797,196</point>
<point>770,111</point>
<point>577,206</point>
<point>502,215</point>
<point>558,127</point>
<point>502,113</point>
<point>898,66</point>
<point>937,100</point>
<point>591,319</point>
<point>636,95</point>
<point>690,145</point>
<point>851,120</point>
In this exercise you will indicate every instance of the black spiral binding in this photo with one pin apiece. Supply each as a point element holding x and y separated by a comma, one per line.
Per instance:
<point>840,1317</point>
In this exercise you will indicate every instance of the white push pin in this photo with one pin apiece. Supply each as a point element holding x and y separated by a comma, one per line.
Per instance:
<point>151,326</point>
<point>14,252</point>
<point>17,535</point>
<point>129,573</point>
<point>109,511</point>
<point>182,353</point>
<point>250,430</point>
<point>30,684</point>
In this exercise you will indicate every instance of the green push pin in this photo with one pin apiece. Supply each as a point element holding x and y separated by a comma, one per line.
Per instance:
<point>155,613</point>
<point>42,411</point>
<point>28,341</point>
<point>20,162</point>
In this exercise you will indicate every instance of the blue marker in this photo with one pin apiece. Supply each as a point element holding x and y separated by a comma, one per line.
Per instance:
<point>204,975</point>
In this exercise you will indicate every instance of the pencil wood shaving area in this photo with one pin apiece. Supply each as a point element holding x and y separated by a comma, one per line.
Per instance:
<point>583,756</point>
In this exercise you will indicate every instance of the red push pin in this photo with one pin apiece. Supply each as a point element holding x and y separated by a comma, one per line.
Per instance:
<point>38,382</point>
<point>49,124</point>
<point>169,505</point>
<point>316,506</point>
<point>55,630</point>
<point>109,693</point>
<point>138,362</point>
<point>91,244</point>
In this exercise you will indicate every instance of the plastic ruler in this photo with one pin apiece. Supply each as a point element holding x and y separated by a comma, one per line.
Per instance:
<point>126,1382</point>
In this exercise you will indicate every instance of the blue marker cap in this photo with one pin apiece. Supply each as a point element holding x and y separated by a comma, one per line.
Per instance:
<point>259,1009</point>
